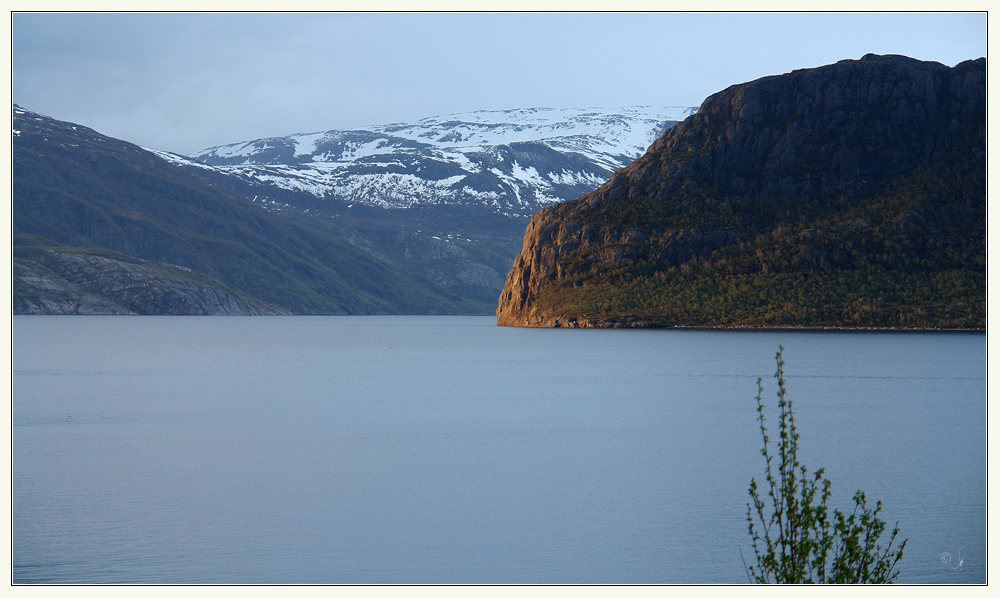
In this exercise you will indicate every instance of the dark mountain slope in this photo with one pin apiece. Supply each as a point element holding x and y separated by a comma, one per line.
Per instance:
<point>78,192</point>
<point>847,195</point>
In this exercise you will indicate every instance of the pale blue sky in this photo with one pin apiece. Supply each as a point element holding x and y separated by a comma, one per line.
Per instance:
<point>184,82</point>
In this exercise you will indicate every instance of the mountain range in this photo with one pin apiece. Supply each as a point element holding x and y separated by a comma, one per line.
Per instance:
<point>101,226</point>
<point>513,161</point>
<point>439,206</point>
<point>847,195</point>
<point>446,197</point>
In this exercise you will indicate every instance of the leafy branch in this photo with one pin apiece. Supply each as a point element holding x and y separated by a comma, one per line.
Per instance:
<point>795,538</point>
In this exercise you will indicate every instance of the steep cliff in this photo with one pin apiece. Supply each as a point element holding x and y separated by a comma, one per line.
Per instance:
<point>847,195</point>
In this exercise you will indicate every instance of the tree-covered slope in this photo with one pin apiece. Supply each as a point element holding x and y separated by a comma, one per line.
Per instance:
<point>847,195</point>
<point>75,191</point>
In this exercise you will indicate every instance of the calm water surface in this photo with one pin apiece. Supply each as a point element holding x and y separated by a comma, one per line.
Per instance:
<point>447,450</point>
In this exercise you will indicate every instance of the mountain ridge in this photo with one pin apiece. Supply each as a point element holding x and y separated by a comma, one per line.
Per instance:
<point>104,224</point>
<point>514,161</point>
<point>444,197</point>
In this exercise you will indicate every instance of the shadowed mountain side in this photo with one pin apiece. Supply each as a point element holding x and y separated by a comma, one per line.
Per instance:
<point>110,219</point>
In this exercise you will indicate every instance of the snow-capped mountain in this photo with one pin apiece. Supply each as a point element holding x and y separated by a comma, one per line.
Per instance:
<point>513,161</point>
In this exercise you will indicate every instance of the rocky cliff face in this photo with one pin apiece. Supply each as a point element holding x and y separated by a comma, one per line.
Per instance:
<point>793,160</point>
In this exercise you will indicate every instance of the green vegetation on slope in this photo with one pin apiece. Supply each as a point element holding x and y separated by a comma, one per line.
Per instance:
<point>872,299</point>
<point>913,255</point>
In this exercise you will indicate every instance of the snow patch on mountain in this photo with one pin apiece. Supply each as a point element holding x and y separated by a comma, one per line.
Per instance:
<point>515,161</point>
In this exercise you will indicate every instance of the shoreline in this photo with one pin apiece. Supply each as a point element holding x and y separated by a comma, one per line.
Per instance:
<point>579,323</point>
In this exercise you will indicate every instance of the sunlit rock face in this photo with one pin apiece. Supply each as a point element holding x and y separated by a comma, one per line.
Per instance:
<point>762,179</point>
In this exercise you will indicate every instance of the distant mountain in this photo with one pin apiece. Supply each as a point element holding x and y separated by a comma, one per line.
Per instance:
<point>103,226</point>
<point>513,161</point>
<point>852,194</point>
<point>446,197</point>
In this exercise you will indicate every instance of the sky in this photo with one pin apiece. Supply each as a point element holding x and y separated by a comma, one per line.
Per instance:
<point>183,82</point>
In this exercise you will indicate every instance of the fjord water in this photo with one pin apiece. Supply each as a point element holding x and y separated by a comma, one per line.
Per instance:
<point>447,450</point>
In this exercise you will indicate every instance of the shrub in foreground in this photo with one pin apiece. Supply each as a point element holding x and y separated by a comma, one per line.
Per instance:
<point>795,537</point>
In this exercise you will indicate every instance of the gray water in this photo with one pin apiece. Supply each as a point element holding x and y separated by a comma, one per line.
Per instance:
<point>172,450</point>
